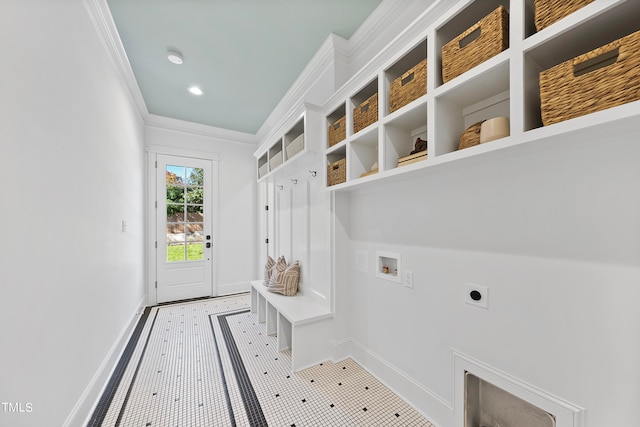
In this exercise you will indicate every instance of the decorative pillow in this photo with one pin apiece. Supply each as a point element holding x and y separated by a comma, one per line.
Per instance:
<point>286,282</point>
<point>267,269</point>
<point>279,266</point>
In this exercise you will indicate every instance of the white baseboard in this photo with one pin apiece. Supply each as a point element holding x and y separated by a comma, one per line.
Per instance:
<point>432,406</point>
<point>341,349</point>
<point>82,411</point>
<point>233,288</point>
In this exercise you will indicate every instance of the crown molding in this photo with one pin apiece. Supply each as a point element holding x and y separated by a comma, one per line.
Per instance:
<point>376,23</point>
<point>223,135</point>
<point>408,23</point>
<point>392,20</point>
<point>107,32</point>
<point>323,59</point>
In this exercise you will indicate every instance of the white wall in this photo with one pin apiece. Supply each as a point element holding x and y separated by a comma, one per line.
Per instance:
<point>555,235</point>
<point>301,213</point>
<point>237,195</point>
<point>72,168</point>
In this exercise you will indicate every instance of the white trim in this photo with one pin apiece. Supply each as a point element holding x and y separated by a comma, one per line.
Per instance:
<point>341,349</point>
<point>175,151</point>
<point>233,288</point>
<point>427,402</point>
<point>376,22</point>
<point>215,229</point>
<point>150,250</point>
<point>84,407</point>
<point>108,34</point>
<point>221,134</point>
<point>324,58</point>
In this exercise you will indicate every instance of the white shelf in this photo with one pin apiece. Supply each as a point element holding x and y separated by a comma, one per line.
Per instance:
<point>306,125</point>
<point>505,85</point>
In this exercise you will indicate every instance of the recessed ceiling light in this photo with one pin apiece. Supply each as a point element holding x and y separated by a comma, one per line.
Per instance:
<point>195,90</point>
<point>174,56</point>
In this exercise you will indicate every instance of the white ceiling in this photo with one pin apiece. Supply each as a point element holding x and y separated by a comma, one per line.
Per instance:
<point>244,54</point>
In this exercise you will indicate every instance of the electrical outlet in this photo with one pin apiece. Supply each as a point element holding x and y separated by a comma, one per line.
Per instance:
<point>476,295</point>
<point>408,279</point>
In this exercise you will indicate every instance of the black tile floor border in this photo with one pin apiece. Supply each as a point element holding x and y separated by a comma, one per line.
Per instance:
<point>232,417</point>
<point>249,399</point>
<point>135,374</point>
<point>102,407</point>
<point>109,392</point>
<point>197,299</point>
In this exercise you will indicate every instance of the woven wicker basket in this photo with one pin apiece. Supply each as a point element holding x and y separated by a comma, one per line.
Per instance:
<point>600,79</point>
<point>470,137</point>
<point>337,131</point>
<point>337,172</point>
<point>365,113</point>
<point>482,41</point>
<point>408,87</point>
<point>550,11</point>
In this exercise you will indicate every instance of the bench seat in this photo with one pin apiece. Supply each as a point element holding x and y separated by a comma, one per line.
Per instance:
<point>299,323</point>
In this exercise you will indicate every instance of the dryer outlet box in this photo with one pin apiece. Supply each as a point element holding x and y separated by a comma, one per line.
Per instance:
<point>476,295</point>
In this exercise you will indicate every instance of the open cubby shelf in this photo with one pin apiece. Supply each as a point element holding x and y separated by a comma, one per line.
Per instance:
<point>294,147</point>
<point>506,84</point>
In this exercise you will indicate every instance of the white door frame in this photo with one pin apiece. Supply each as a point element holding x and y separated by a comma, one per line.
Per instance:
<point>150,253</point>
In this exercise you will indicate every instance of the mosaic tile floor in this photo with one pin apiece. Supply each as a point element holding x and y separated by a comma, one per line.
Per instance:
<point>210,363</point>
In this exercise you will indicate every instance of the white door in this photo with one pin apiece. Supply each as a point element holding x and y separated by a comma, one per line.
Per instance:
<point>184,228</point>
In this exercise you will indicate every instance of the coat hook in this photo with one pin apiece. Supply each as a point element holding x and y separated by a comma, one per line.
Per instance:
<point>313,173</point>
<point>295,181</point>
<point>280,187</point>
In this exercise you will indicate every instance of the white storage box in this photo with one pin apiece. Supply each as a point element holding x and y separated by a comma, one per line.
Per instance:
<point>263,170</point>
<point>296,146</point>
<point>276,161</point>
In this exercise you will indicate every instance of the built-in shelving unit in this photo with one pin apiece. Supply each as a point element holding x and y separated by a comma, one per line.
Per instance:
<point>505,85</point>
<point>295,146</point>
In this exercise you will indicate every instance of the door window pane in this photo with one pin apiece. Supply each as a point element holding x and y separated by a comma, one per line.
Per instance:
<point>175,252</point>
<point>195,176</point>
<point>175,233</point>
<point>193,227</point>
<point>195,251</point>
<point>175,213</point>
<point>175,194</point>
<point>194,195</point>
<point>175,174</point>
<point>195,214</point>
